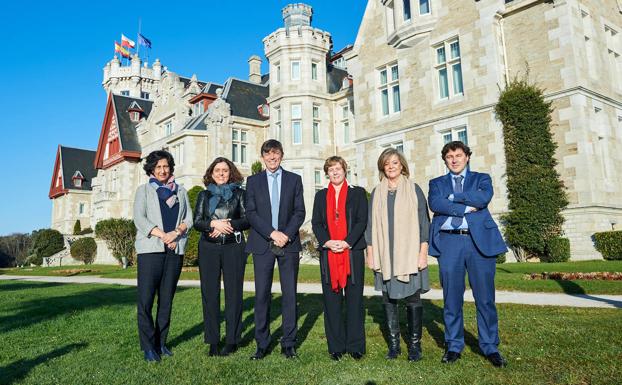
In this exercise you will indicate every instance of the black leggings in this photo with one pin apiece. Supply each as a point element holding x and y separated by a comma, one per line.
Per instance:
<point>412,300</point>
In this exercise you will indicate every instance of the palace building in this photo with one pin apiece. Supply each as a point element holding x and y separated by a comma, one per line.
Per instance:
<point>416,77</point>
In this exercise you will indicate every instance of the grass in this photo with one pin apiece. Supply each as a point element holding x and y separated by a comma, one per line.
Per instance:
<point>510,276</point>
<point>86,334</point>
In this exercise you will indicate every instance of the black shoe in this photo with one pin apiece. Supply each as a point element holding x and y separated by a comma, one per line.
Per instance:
<point>164,351</point>
<point>289,352</point>
<point>260,354</point>
<point>450,357</point>
<point>356,355</point>
<point>213,350</point>
<point>336,356</point>
<point>392,318</point>
<point>497,360</point>
<point>228,349</point>
<point>414,316</point>
<point>152,356</point>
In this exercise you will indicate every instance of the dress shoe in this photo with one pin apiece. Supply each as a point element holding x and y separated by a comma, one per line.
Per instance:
<point>152,356</point>
<point>356,355</point>
<point>213,350</point>
<point>336,356</point>
<point>164,351</point>
<point>259,354</point>
<point>450,357</point>
<point>497,360</point>
<point>289,352</point>
<point>228,349</point>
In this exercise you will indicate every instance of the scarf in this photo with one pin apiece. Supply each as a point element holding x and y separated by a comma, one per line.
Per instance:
<point>222,192</point>
<point>405,231</point>
<point>166,191</point>
<point>338,263</point>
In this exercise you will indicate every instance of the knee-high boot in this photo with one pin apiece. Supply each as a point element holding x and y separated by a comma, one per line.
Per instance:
<point>393,325</point>
<point>414,315</point>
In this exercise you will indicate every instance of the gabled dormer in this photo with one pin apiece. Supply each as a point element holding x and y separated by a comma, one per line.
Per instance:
<point>135,112</point>
<point>77,179</point>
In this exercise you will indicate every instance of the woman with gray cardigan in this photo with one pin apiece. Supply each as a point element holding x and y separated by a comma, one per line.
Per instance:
<point>162,217</point>
<point>397,249</point>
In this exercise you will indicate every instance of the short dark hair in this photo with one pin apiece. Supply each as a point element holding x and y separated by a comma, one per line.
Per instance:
<point>271,144</point>
<point>333,160</point>
<point>154,157</point>
<point>453,146</point>
<point>234,174</point>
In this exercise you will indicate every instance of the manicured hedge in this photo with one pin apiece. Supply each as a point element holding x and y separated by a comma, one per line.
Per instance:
<point>84,249</point>
<point>557,250</point>
<point>119,234</point>
<point>609,244</point>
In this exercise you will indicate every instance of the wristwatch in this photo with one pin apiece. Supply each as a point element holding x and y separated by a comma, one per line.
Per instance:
<point>178,232</point>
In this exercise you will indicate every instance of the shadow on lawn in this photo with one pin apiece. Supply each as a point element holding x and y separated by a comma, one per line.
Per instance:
<point>575,290</point>
<point>15,285</point>
<point>17,370</point>
<point>48,306</point>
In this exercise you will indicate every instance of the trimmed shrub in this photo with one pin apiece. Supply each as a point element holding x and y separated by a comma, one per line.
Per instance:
<point>557,250</point>
<point>191,256</point>
<point>84,249</point>
<point>609,244</point>
<point>536,193</point>
<point>501,258</point>
<point>45,243</point>
<point>256,167</point>
<point>119,235</point>
<point>77,227</point>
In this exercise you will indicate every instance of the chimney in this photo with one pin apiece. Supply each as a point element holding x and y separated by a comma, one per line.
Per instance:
<point>254,69</point>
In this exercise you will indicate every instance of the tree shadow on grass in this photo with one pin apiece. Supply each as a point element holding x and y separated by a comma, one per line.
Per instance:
<point>48,307</point>
<point>574,289</point>
<point>17,370</point>
<point>16,285</point>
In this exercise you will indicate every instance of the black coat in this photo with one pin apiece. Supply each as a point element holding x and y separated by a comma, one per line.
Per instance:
<point>356,211</point>
<point>233,209</point>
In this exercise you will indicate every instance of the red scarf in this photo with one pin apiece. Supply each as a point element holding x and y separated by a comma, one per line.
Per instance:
<point>338,263</point>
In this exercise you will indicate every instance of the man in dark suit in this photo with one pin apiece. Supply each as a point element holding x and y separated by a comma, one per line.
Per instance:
<point>465,238</point>
<point>275,209</point>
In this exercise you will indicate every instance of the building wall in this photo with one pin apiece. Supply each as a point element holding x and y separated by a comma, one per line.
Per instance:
<point>66,210</point>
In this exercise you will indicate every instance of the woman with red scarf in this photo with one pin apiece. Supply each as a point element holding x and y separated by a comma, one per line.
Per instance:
<point>339,221</point>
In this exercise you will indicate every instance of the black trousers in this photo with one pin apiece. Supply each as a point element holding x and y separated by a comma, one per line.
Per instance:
<point>263,265</point>
<point>230,260</point>
<point>157,273</point>
<point>348,336</point>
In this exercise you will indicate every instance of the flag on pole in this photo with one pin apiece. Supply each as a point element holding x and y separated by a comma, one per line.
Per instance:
<point>125,42</point>
<point>122,50</point>
<point>144,41</point>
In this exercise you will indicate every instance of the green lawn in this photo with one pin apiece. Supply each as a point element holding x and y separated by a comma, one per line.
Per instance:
<point>510,276</point>
<point>86,334</point>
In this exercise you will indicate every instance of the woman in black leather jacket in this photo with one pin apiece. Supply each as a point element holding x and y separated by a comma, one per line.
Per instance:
<point>220,217</point>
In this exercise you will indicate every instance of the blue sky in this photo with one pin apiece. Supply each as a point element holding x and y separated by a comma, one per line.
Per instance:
<point>51,72</point>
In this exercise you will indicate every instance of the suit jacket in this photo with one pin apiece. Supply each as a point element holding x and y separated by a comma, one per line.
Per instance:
<point>259,213</point>
<point>356,217</point>
<point>477,192</point>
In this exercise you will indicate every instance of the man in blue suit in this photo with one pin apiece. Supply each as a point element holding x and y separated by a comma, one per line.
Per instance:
<point>465,238</point>
<point>275,209</point>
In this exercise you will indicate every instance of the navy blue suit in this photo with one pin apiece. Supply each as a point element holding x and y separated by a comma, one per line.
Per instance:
<point>291,217</point>
<point>473,253</point>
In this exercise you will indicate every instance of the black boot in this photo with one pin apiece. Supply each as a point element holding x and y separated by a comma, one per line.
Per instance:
<point>393,324</point>
<point>414,316</point>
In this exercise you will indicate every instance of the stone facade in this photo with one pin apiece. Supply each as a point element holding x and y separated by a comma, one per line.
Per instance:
<point>451,70</point>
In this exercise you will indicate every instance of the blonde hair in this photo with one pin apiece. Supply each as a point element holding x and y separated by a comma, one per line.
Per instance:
<point>384,157</point>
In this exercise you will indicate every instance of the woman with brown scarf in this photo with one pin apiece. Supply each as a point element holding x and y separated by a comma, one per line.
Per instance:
<point>339,221</point>
<point>398,219</point>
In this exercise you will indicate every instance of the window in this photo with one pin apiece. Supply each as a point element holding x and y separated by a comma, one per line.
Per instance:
<point>134,116</point>
<point>389,89</point>
<point>178,154</point>
<point>277,122</point>
<point>314,71</point>
<point>458,133</point>
<point>424,7</point>
<point>239,144</point>
<point>449,69</point>
<point>406,9</point>
<point>316,124</point>
<point>398,145</point>
<point>168,128</point>
<point>277,69</point>
<point>144,95</point>
<point>199,108</point>
<point>295,70</point>
<point>77,182</point>
<point>345,123</point>
<point>125,93</point>
<point>318,180</point>
<point>346,132</point>
<point>316,112</point>
<point>296,124</point>
<point>81,208</point>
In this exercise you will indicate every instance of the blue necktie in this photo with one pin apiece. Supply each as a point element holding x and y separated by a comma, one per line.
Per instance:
<point>274,201</point>
<point>457,221</point>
